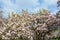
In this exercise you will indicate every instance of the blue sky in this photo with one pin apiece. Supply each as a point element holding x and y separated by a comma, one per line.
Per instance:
<point>31,5</point>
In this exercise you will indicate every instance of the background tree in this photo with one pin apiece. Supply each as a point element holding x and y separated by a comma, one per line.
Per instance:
<point>43,12</point>
<point>58,5</point>
<point>1,13</point>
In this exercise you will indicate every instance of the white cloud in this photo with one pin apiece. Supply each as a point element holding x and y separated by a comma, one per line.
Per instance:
<point>20,4</point>
<point>27,3</point>
<point>51,5</point>
<point>49,2</point>
<point>31,5</point>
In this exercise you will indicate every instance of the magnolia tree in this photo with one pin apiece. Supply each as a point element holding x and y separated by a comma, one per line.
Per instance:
<point>30,26</point>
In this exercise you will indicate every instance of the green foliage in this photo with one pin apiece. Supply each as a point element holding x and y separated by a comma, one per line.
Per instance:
<point>43,12</point>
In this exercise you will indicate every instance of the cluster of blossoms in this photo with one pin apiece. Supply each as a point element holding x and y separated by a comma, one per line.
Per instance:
<point>29,26</point>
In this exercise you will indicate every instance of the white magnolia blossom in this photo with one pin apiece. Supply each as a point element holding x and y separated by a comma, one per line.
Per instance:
<point>26,25</point>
